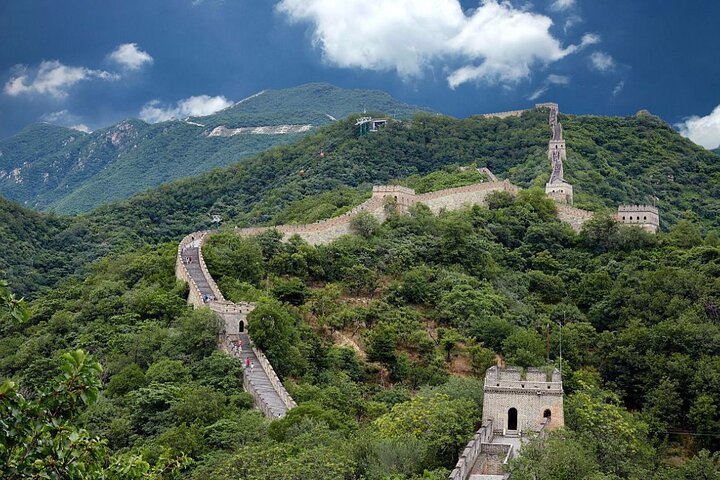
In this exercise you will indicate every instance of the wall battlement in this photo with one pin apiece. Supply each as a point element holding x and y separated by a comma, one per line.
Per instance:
<point>644,216</point>
<point>509,113</point>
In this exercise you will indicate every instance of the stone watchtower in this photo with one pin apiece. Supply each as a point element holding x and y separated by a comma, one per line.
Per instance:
<point>519,401</point>
<point>402,197</point>
<point>644,216</point>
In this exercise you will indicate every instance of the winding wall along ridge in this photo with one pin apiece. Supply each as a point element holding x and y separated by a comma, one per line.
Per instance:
<point>269,394</point>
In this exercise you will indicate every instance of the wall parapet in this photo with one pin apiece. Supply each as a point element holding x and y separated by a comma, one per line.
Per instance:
<point>638,208</point>
<point>226,309</point>
<point>509,113</point>
<point>472,452</point>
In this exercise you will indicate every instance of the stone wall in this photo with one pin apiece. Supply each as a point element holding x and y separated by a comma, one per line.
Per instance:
<point>510,113</point>
<point>472,452</point>
<point>274,381</point>
<point>460,197</point>
<point>232,314</point>
<point>574,217</point>
<point>326,231</point>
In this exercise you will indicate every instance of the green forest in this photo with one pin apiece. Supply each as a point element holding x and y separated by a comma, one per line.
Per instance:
<point>425,304</point>
<point>382,337</point>
<point>610,161</point>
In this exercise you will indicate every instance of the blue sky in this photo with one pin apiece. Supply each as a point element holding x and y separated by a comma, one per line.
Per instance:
<point>90,63</point>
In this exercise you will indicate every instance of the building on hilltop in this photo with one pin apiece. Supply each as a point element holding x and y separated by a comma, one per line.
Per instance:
<point>644,216</point>
<point>516,403</point>
<point>520,402</point>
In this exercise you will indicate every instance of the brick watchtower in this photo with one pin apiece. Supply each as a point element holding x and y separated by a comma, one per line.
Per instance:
<point>517,401</point>
<point>644,216</point>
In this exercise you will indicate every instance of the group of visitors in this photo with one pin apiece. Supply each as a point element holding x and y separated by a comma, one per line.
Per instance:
<point>235,347</point>
<point>208,298</point>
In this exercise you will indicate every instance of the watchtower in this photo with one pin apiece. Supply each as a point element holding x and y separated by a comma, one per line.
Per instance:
<point>518,401</point>
<point>644,216</point>
<point>402,197</point>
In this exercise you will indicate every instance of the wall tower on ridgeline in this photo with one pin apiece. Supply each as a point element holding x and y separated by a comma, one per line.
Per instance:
<point>643,216</point>
<point>557,188</point>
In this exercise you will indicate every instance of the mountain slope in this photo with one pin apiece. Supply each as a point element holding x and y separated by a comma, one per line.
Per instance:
<point>610,161</point>
<point>53,168</point>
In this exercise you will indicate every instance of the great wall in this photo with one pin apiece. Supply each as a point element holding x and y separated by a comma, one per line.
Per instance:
<point>494,443</point>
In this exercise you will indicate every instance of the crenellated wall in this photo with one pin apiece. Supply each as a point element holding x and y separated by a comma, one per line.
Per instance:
<point>472,452</point>
<point>509,113</point>
<point>232,315</point>
<point>326,231</point>
<point>460,197</point>
<point>575,217</point>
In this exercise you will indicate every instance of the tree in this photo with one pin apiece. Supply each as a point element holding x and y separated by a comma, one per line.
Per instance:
<point>126,380</point>
<point>229,255</point>
<point>40,440</point>
<point>11,305</point>
<point>618,439</point>
<point>273,330</point>
<point>359,279</point>
<point>559,457</point>
<point>365,224</point>
<point>436,419</point>
<point>524,348</point>
<point>685,234</point>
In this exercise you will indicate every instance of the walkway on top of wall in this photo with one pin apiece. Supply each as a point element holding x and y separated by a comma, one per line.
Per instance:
<point>256,377</point>
<point>260,381</point>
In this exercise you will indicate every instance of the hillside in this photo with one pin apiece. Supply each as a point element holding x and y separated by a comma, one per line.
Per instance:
<point>47,167</point>
<point>610,161</point>
<point>383,339</point>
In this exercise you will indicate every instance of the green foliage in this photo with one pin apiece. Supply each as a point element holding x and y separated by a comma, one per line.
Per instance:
<point>437,419</point>
<point>40,439</point>
<point>228,254</point>
<point>70,171</point>
<point>364,224</point>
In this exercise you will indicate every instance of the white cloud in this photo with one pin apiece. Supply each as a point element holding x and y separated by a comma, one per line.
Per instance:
<point>495,42</point>
<point>571,21</point>
<point>198,106</point>
<point>618,88</point>
<point>52,78</point>
<point>559,5</point>
<point>82,127</point>
<point>551,79</point>
<point>602,62</point>
<point>129,56</point>
<point>66,119</point>
<point>704,131</point>
<point>537,93</point>
<point>558,79</point>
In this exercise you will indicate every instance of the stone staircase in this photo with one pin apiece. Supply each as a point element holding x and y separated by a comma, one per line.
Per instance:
<point>259,379</point>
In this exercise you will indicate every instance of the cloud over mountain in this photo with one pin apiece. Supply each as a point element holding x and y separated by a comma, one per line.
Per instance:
<point>495,43</point>
<point>196,106</point>
<point>704,131</point>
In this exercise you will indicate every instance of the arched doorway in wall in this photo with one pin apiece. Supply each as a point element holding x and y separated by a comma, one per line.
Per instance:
<point>547,414</point>
<point>241,326</point>
<point>512,419</point>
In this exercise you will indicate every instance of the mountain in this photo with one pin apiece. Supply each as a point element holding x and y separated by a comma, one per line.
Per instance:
<point>47,167</point>
<point>611,161</point>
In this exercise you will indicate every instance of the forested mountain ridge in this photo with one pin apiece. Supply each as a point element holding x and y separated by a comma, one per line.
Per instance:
<point>48,167</point>
<point>383,337</point>
<point>610,161</point>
